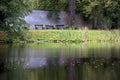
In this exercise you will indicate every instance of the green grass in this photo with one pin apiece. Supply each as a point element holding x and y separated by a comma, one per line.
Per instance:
<point>71,36</point>
<point>74,35</point>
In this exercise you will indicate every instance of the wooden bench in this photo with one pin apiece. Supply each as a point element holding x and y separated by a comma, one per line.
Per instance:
<point>37,26</point>
<point>50,26</point>
<point>59,26</point>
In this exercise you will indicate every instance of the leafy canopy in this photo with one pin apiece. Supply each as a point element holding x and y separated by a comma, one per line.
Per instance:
<point>11,15</point>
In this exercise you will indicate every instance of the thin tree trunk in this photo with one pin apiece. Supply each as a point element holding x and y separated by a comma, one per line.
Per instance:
<point>94,24</point>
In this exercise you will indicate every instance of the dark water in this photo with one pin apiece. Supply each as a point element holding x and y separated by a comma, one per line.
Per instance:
<point>49,61</point>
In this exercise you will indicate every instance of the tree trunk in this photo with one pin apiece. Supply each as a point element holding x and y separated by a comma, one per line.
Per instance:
<point>94,24</point>
<point>71,12</point>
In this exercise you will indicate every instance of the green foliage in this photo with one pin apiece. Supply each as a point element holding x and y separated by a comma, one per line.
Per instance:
<point>12,13</point>
<point>107,11</point>
<point>49,4</point>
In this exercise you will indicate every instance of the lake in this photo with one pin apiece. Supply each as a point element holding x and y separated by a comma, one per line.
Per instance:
<point>60,61</point>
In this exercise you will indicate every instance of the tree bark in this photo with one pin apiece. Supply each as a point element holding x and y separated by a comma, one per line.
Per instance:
<point>71,12</point>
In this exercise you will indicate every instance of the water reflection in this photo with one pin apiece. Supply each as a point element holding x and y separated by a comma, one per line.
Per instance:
<point>50,61</point>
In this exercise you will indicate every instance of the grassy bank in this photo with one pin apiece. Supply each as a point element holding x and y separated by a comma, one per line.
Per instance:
<point>74,35</point>
<point>70,35</point>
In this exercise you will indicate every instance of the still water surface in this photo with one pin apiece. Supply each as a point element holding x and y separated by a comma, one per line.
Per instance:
<point>53,61</point>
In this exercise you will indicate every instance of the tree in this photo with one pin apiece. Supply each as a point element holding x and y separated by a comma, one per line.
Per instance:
<point>12,13</point>
<point>71,12</point>
<point>105,11</point>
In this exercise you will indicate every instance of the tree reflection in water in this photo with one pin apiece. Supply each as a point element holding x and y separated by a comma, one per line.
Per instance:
<point>46,64</point>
